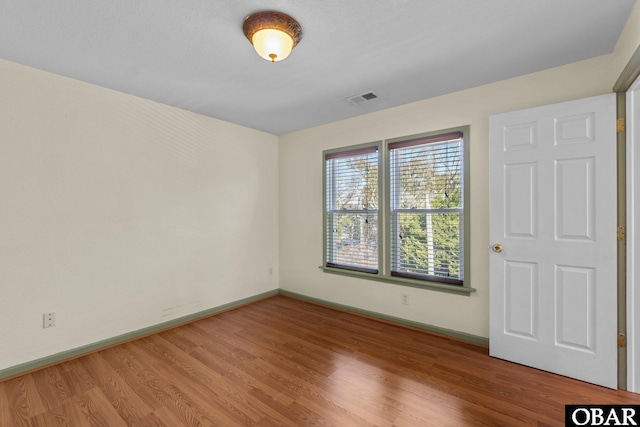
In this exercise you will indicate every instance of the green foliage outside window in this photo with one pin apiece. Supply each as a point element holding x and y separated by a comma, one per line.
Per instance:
<point>414,249</point>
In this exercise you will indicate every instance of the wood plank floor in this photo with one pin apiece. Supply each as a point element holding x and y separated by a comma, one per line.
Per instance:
<point>284,362</point>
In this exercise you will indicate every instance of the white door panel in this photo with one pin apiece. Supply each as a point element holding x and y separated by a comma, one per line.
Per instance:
<point>553,210</point>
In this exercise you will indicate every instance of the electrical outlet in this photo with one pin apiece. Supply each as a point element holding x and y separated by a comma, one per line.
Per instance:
<point>405,299</point>
<point>48,320</point>
<point>270,271</point>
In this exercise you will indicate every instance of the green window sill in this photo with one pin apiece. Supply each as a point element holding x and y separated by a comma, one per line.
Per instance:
<point>434,286</point>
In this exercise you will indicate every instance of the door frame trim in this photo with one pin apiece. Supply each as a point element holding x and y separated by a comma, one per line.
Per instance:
<point>621,157</point>
<point>629,74</point>
<point>628,273</point>
<point>633,237</point>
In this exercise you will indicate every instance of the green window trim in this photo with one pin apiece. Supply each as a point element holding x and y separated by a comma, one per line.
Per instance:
<point>384,245</point>
<point>421,284</point>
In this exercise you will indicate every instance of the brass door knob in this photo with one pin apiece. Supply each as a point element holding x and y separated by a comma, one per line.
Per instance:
<point>497,247</point>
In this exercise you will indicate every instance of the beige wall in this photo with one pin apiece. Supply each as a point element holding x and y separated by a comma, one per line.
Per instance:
<point>301,185</point>
<point>119,213</point>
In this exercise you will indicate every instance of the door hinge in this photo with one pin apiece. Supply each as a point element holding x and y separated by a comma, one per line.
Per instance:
<point>622,340</point>
<point>620,125</point>
<point>621,232</point>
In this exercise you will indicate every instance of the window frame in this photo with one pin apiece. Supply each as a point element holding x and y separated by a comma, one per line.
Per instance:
<point>384,217</point>
<point>326,250</point>
<point>393,208</point>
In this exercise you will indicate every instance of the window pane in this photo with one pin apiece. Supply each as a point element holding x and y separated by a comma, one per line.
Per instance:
<point>427,213</point>
<point>428,244</point>
<point>354,240</point>
<point>353,182</point>
<point>425,175</point>
<point>351,227</point>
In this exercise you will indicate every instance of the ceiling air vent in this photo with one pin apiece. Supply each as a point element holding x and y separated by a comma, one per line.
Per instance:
<point>359,99</point>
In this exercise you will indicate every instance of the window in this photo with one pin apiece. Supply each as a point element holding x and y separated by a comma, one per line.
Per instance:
<point>427,218</point>
<point>395,210</point>
<point>351,203</point>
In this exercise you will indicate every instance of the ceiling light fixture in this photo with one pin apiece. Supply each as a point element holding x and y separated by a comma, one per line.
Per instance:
<point>272,34</point>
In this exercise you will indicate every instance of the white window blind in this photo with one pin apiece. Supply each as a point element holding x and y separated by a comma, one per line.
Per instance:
<point>351,217</point>
<point>427,208</point>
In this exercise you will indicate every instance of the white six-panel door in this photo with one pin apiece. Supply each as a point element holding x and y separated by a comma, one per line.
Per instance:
<point>553,238</point>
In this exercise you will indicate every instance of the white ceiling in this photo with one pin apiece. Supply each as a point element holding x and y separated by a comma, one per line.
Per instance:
<point>192,53</point>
